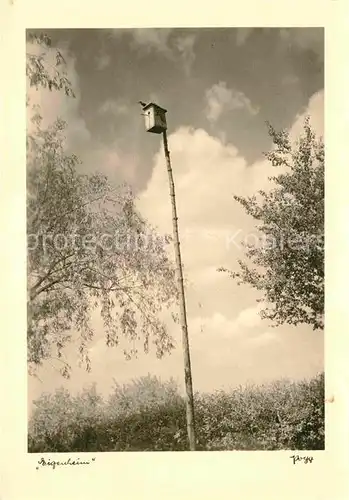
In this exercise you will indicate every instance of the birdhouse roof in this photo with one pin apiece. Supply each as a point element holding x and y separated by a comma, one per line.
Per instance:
<point>156,106</point>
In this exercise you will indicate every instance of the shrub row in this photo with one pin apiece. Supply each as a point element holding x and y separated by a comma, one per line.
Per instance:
<point>149,415</point>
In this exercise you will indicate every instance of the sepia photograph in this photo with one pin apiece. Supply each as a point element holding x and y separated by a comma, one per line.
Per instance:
<point>175,239</point>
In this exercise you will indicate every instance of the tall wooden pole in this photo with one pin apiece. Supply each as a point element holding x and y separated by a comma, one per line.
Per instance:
<point>183,314</point>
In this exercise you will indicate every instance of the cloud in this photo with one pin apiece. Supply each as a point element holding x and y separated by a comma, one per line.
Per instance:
<point>220,99</point>
<point>304,39</point>
<point>298,38</point>
<point>110,160</point>
<point>185,46</point>
<point>249,317</point>
<point>219,324</point>
<point>113,161</point>
<point>263,339</point>
<point>227,335</point>
<point>203,166</point>
<point>207,173</point>
<point>290,80</point>
<point>114,107</point>
<point>315,111</point>
<point>164,41</point>
<point>153,39</point>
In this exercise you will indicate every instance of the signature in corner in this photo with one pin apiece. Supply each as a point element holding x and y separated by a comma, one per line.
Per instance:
<point>305,459</point>
<point>57,463</point>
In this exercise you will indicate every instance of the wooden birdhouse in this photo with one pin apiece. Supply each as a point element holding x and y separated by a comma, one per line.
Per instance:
<point>155,118</point>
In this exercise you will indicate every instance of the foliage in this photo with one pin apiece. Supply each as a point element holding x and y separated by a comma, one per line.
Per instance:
<point>149,415</point>
<point>39,75</point>
<point>288,266</point>
<point>143,415</point>
<point>88,250</point>
<point>62,423</point>
<point>142,394</point>
<point>281,415</point>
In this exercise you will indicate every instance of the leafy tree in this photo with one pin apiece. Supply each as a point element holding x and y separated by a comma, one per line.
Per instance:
<point>144,392</point>
<point>288,264</point>
<point>147,414</point>
<point>61,422</point>
<point>39,73</point>
<point>88,249</point>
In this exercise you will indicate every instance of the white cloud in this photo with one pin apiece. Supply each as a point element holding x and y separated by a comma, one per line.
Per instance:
<point>219,324</point>
<point>315,111</point>
<point>249,317</point>
<point>207,172</point>
<point>178,49</point>
<point>263,339</point>
<point>221,99</point>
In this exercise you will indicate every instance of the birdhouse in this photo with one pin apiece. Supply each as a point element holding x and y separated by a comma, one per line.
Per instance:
<point>155,118</point>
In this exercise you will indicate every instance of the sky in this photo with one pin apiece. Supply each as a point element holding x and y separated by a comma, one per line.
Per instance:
<point>220,86</point>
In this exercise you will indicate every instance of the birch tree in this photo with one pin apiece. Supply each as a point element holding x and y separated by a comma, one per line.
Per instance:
<point>89,249</point>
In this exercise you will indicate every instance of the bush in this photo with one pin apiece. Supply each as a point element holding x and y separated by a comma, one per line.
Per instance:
<point>282,415</point>
<point>149,415</point>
